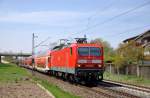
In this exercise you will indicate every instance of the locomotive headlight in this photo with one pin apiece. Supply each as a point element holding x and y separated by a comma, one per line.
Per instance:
<point>79,65</point>
<point>99,65</point>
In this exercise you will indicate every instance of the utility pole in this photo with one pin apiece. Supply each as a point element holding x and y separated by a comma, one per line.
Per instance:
<point>33,40</point>
<point>33,50</point>
<point>33,47</point>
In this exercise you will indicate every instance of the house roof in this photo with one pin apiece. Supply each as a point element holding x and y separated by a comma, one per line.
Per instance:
<point>136,37</point>
<point>132,38</point>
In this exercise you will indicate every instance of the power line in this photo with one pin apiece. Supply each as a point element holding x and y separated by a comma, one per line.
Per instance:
<point>42,42</point>
<point>129,30</point>
<point>119,15</point>
<point>114,17</point>
<point>105,8</point>
<point>97,12</point>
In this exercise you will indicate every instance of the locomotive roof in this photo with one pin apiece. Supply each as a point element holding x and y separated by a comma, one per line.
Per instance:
<point>86,44</point>
<point>61,46</point>
<point>76,44</point>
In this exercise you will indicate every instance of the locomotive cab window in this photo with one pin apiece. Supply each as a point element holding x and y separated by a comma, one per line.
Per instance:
<point>89,51</point>
<point>83,51</point>
<point>94,51</point>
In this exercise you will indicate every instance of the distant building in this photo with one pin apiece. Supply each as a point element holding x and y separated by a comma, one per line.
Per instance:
<point>141,39</point>
<point>142,66</point>
<point>144,41</point>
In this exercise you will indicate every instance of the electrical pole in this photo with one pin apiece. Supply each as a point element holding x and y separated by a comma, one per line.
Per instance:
<point>33,47</point>
<point>33,50</point>
<point>33,40</point>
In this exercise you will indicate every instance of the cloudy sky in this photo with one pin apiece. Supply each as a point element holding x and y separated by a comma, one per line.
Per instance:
<point>59,19</point>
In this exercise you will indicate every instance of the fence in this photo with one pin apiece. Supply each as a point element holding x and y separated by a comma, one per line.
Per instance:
<point>141,70</point>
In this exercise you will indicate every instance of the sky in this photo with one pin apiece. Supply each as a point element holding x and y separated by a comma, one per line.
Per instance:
<point>60,19</point>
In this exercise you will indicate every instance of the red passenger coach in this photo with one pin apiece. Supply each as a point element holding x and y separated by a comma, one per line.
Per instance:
<point>42,62</point>
<point>27,62</point>
<point>79,61</point>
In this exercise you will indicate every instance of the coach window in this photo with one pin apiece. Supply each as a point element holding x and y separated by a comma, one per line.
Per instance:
<point>70,50</point>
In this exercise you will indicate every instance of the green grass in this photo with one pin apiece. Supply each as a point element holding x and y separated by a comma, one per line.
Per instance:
<point>55,90</point>
<point>10,73</point>
<point>128,79</point>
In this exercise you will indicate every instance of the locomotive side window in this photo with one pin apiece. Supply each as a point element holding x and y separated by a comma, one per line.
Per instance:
<point>83,51</point>
<point>71,50</point>
<point>48,59</point>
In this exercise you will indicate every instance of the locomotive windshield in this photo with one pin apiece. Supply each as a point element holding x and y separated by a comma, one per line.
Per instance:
<point>89,51</point>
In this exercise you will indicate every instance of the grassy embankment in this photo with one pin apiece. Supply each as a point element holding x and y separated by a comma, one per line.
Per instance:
<point>10,73</point>
<point>127,79</point>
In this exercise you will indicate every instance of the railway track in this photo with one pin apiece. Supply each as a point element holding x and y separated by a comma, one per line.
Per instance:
<point>131,86</point>
<point>109,93</point>
<point>107,89</point>
<point>127,89</point>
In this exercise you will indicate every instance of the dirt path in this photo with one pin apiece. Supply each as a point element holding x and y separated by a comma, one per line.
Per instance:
<point>23,89</point>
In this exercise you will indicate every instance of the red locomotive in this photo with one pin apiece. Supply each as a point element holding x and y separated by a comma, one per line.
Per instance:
<point>80,61</point>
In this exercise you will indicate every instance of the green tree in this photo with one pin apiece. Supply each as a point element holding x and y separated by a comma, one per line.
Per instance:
<point>131,52</point>
<point>118,61</point>
<point>127,54</point>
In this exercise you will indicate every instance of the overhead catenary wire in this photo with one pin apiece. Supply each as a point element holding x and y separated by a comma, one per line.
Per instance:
<point>117,16</point>
<point>129,30</point>
<point>42,42</point>
<point>99,12</point>
<point>114,17</point>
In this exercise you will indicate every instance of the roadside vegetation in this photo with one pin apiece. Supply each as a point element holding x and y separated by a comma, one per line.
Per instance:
<point>55,90</point>
<point>131,79</point>
<point>10,73</point>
